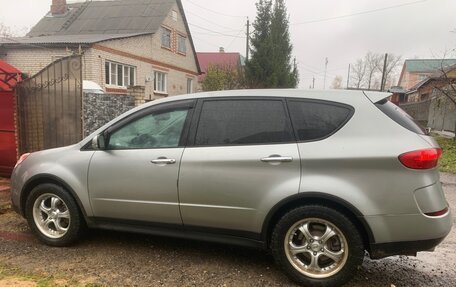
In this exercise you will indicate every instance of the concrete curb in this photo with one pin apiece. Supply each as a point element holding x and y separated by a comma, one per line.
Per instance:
<point>448,178</point>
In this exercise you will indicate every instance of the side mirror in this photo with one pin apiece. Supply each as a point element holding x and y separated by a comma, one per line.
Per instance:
<point>98,142</point>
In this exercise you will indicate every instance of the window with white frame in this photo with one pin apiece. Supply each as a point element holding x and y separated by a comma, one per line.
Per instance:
<point>121,75</point>
<point>166,38</point>
<point>189,86</point>
<point>181,44</point>
<point>160,82</point>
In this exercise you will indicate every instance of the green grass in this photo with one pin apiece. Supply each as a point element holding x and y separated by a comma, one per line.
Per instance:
<point>447,162</point>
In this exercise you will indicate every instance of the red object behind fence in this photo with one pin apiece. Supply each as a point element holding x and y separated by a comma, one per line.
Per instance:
<point>9,76</point>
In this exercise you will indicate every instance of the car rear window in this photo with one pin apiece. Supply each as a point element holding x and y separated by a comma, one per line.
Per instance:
<point>400,116</point>
<point>240,122</point>
<point>315,120</point>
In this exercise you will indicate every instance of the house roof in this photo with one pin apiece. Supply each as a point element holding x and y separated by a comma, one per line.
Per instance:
<point>427,65</point>
<point>9,76</point>
<point>66,39</point>
<point>96,21</point>
<point>207,59</point>
<point>397,90</point>
<point>434,76</point>
<point>105,17</point>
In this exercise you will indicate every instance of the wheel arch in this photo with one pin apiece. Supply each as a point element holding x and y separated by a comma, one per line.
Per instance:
<point>38,179</point>
<point>317,198</point>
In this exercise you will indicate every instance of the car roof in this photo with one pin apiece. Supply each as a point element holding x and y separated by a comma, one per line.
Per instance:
<point>343,96</point>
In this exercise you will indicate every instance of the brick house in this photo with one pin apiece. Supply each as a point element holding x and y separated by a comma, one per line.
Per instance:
<point>416,70</point>
<point>424,90</point>
<point>123,43</point>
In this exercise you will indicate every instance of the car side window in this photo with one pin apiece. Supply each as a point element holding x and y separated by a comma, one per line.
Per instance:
<point>156,130</point>
<point>314,120</point>
<point>241,122</point>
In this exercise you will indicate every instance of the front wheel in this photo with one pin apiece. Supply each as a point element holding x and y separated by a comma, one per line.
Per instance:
<point>53,215</point>
<point>317,246</point>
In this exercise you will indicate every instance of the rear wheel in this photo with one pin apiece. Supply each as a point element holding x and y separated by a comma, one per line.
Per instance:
<point>317,246</point>
<point>53,215</point>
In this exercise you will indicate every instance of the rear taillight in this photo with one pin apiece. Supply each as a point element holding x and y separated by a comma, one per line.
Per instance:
<point>21,159</point>
<point>438,213</point>
<point>421,159</point>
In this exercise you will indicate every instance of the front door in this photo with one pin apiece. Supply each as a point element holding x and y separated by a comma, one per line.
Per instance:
<point>136,176</point>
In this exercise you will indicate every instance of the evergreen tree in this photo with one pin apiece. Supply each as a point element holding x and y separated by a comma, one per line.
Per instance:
<point>259,68</point>
<point>271,64</point>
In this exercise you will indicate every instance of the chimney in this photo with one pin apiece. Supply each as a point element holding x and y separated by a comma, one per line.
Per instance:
<point>222,50</point>
<point>58,7</point>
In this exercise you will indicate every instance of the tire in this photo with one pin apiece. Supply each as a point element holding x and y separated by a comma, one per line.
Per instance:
<point>317,246</point>
<point>53,215</point>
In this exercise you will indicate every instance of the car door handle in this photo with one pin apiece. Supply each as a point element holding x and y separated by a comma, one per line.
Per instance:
<point>163,161</point>
<point>277,159</point>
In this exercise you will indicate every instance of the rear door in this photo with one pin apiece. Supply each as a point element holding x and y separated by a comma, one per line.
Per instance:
<point>241,160</point>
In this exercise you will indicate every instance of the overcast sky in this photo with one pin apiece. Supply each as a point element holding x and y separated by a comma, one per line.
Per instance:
<point>342,31</point>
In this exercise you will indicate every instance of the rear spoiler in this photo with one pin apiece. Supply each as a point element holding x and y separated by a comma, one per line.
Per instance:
<point>376,97</point>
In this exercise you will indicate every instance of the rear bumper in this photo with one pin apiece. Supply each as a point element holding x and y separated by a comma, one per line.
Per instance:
<point>381,250</point>
<point>408,234</point>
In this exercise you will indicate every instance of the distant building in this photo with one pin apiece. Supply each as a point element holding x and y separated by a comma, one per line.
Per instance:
<point>398,95</point>
<point>424,90</point>
<point>223,59</point>
<point>417,70</point>
<point>123,43</point>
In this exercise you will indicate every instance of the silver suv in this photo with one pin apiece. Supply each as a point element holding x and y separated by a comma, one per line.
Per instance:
<point>317,177</point>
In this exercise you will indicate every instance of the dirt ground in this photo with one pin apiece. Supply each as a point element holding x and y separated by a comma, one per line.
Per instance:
<point>123,259</point>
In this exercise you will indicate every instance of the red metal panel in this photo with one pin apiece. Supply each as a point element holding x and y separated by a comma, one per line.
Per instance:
<point>8,154</point>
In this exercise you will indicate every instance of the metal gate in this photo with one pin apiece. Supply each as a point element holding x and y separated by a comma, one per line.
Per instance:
<point>49,106</point>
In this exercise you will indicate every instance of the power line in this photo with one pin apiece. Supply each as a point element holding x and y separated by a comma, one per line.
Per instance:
<point>209,21</point>
<point>216,12</point>
<point>216,32</point>
<point>234,39</point>
<point>359,13</point>
<point>203,41</point>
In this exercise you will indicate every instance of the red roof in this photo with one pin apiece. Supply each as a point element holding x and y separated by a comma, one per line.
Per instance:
<point>9,76</point>
<point>207,59</point>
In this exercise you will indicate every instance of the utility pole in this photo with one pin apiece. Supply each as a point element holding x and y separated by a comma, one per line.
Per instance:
<point>313,82</point>
<point>348,76</point>
<point>326,68</point>
<point>248,39</point>
<point>382,85</point>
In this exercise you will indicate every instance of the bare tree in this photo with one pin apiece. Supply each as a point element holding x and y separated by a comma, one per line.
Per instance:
<point>337,83</point>
<point>5,31</point>
<point>358,73</point>
<point>367,71</point>
<point>373,67</point>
